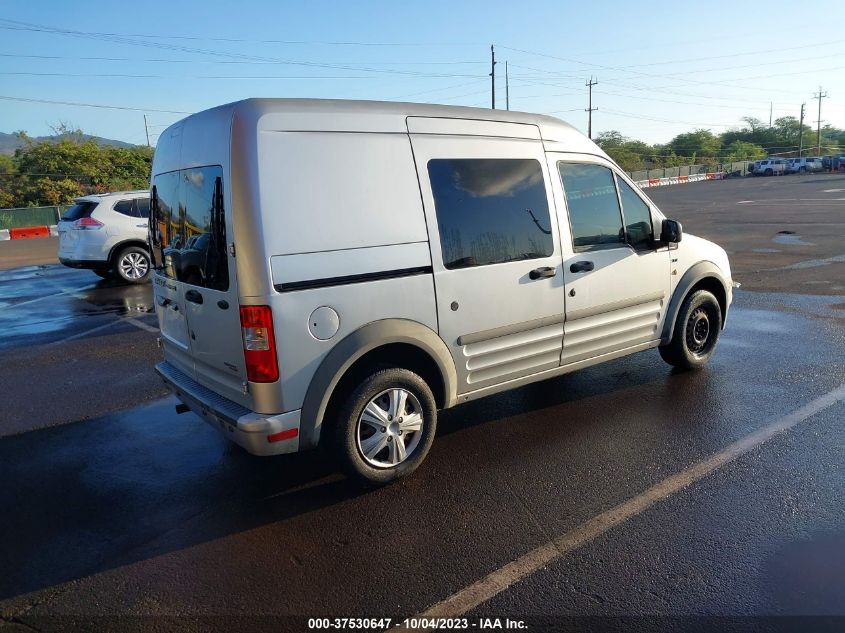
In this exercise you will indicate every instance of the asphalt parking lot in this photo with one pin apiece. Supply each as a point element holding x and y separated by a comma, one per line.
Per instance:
<point>624,496</point>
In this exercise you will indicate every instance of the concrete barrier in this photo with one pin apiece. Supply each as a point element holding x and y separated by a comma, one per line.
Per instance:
<point>679,180</point>
<point>29,232</point>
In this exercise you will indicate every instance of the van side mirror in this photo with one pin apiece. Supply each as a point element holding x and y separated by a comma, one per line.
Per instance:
<point>671,232</point>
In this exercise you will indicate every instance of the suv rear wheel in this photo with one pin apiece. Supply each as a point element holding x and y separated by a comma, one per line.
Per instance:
<point>132,265</point>
<point>386,426</point>
<point>696,332</point>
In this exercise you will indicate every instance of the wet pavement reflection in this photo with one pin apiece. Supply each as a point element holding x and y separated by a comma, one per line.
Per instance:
<point>43,304</point>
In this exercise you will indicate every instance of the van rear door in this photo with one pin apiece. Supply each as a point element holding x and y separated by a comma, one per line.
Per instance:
<point>201,270</point>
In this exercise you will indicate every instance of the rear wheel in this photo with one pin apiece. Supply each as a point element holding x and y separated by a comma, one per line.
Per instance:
<point>696,332</point>
<point>768,172</point>
<point>386,426</point>
<point>132,265</point>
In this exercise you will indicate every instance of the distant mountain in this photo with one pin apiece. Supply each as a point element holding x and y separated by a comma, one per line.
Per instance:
<point>9,142</point>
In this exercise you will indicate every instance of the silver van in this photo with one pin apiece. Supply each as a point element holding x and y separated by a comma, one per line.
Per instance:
<point>334,272</point>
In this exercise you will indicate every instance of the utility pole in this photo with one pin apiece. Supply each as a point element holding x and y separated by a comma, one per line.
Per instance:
<point>492,77</point>
<point>147,130</point>
<point>590,109</point>
<point>801,132</point>
<point>507,88</point>
<point>770,113</point>
<point>819,95</point>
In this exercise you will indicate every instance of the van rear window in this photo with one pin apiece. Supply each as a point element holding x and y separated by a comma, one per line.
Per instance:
<point>187,227</point>
<point>82,209</point>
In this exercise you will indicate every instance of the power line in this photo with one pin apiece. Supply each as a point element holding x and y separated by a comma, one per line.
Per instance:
<point>225,54</point>
<point>90,105</point>
<point>219,61</point>
<point>28,26</point>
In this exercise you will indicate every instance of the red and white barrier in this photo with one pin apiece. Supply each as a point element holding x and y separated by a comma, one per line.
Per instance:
<point>678,180</point>
<point>28,232</point>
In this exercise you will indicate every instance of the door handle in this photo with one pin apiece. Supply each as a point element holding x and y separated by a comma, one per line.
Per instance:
<point>143,226</point>
<point>544,272</point>
<point>193,296</point>
<point>581,267</point>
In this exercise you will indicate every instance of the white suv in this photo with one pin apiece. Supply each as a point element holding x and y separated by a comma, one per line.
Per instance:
<point>770,167</point>
<point>108,234</point>
<point>802,165</point>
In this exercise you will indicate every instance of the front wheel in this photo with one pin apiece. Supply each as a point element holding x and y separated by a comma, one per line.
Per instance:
<point>386,426</point>
<point>132,265</point>
<point>696,332</point>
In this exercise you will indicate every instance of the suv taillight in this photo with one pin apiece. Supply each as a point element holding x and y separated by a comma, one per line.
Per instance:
<point>86,224</point>
<point>259,344</point>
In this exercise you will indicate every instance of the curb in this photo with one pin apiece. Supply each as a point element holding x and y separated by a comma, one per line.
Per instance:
<point>679,180</point>
<point>29,232</point>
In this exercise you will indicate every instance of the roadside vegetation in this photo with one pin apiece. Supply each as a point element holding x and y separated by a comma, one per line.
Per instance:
<point>753,141</point>
<point>55,171</point>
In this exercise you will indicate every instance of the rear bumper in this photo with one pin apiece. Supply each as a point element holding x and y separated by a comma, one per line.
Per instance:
<point>93,264</point>
<point>259,434</point>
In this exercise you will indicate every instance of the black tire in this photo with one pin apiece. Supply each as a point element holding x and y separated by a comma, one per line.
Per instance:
<point>696,332</point>
<point>351,431</point>
<point>768,172</point>
<point>105,274</point>
<point>130,262</point>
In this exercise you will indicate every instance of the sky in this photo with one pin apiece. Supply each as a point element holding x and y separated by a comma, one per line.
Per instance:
<point>660,72</point>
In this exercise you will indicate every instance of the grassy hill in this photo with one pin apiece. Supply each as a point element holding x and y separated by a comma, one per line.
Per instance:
<point>9,142</point>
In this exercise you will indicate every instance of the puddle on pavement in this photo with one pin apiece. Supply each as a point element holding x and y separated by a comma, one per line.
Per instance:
<point>790,238</point>
<point>816,263</point>
<point>750,320</point>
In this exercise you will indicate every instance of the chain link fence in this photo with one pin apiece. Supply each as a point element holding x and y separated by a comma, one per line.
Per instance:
<point>739,168</point>
<point>31,216</point>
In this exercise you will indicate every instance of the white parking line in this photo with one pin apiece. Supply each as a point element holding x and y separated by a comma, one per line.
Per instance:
<point>73,337</point>
<point>140,324</point>
<point>497,581</point>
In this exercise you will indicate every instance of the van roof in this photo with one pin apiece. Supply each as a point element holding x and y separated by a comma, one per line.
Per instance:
<point>380,116</point>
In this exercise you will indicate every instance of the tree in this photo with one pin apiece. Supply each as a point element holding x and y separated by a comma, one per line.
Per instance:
<point>743,150</point>
<point>700,144</point>
<point>56,171</point>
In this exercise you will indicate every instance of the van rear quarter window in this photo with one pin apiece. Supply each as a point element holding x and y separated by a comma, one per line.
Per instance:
<point>188,232</point>
<point>490,211</point>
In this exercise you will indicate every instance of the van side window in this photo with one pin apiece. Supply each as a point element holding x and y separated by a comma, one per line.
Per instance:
<point>189,236</point>
<point>490,211</point>
<point>594,213</point>
<point>638,227</point>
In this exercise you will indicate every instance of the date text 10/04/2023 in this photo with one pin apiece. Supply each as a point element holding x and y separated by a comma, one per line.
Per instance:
<point>416,623</point>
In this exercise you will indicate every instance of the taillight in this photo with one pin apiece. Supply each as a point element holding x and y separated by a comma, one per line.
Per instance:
<point>259,344</point>
<point>86,224</point>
